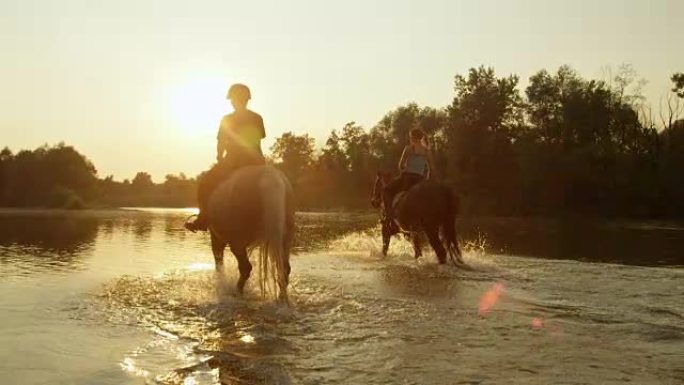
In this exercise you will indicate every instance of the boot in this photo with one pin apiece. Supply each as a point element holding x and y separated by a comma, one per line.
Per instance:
<point>199,224</point>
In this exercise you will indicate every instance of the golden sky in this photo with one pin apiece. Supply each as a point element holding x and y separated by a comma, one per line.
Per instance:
<point>140,84</point>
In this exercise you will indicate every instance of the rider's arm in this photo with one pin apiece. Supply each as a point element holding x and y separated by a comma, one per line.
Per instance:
<point>221,142</point>
<point>260,127</point>
<point>402,160</point>
<point>220,150</point>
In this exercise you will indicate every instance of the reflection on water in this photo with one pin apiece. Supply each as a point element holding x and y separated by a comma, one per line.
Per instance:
<point>129,297</point>
<point>645,244</point>
<point>62,234</point>
<point>29,243</point>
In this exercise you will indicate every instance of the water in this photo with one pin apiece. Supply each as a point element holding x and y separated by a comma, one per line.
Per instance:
<point>128,297</point>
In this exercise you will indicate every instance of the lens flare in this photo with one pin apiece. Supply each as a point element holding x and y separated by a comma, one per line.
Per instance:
<point>490,298</point>
<point>537,323</point>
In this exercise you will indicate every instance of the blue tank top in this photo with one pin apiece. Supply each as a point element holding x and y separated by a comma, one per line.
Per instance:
<point>416,163</point>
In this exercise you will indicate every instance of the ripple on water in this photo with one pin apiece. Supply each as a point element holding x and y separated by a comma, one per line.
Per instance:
<point>360,318</point>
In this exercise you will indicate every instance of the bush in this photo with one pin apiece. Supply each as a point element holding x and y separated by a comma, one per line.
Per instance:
<point>65,198</point>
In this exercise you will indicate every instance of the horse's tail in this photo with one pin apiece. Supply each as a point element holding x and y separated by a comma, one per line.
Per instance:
<point>278,223</point>
<point>449,228</point>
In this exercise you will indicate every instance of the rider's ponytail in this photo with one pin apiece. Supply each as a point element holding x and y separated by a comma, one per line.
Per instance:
<point>418,134</point>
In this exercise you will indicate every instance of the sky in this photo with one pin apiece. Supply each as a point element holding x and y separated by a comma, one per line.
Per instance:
<point>139,85</point>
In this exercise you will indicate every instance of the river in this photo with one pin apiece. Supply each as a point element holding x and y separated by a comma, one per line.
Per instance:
<point>129,297</point>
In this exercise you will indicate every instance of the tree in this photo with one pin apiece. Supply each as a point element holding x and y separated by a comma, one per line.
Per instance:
<point>590,142</point>
<point>294,154</point>
<point>356,147</point>
<point>5,163</point>
<point>671,183</point>
<point>179,190</point>
<point>485,118</point>
<point>142,182</point>
<point>678,80</point>
<point>332,155</point>
<point>70,169</point>
<point>53,176</point>
<point>389,136</point>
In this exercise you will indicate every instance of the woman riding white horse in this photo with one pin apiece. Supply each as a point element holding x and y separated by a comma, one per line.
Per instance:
<point>254,208</point>
<point>244,203</point>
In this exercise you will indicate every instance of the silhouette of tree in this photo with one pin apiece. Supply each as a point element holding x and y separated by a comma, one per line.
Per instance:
<point>52,176</point>
<point>565,146</point>
<point>294,154</point>
<point>671,183</point>
<point>485,118</point>
<point>5,160</point>
<point>142,181</point>
<point>678,80</point>
<point>390,134</point>
<point>332,155</point>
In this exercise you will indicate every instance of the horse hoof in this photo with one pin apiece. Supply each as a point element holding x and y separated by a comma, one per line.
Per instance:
<point>241,291</point>
<point>284,299</point>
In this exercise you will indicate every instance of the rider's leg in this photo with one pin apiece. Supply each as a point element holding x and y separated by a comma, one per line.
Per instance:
<point>206,185</point>
<point>211,179</point>
<point>391,190</point>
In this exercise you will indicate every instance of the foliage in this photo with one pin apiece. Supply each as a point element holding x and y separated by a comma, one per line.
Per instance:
<point>295,154</point>
<point>564,145</point>
<point>678,80</point>
<point>45,176</point>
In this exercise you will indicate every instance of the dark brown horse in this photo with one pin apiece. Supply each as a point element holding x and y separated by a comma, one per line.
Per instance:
<point>253,208</point>
<point>428,208</point>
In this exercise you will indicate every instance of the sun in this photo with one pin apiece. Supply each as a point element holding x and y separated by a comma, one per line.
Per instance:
<point>198,104</point>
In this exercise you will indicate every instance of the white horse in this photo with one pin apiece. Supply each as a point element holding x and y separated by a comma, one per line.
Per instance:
<point>254,208</point>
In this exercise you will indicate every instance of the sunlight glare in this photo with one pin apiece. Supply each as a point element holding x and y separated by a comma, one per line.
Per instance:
<point>248,339</point>
<point>198,105</point>
<point>200,266</point>
<point>128,365</point>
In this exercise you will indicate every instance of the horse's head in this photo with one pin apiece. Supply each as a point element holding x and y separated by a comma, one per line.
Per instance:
<point>381,180</point>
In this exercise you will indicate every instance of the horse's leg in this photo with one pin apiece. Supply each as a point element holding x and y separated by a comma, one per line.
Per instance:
<point>433,235</point>
<point>417,244</point>
<point>386,235</point>
<point>217,248</point>
<point>282,295</point>
<point>289,236</point>
<point>243,265</point>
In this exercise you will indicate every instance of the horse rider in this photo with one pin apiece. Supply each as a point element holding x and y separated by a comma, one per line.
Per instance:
<point>415,165</point>
<point>238,145</point>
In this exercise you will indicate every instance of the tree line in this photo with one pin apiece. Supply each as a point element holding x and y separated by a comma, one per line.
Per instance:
<point>565,145</point>
<point>61,177</point>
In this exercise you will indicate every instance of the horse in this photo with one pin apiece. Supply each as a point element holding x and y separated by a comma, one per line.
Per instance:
<point>254,208</point>
<point>427,207</point>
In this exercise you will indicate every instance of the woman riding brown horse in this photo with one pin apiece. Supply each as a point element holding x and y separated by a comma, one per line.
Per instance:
<point>413,204</point>
<point>429,207</point>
